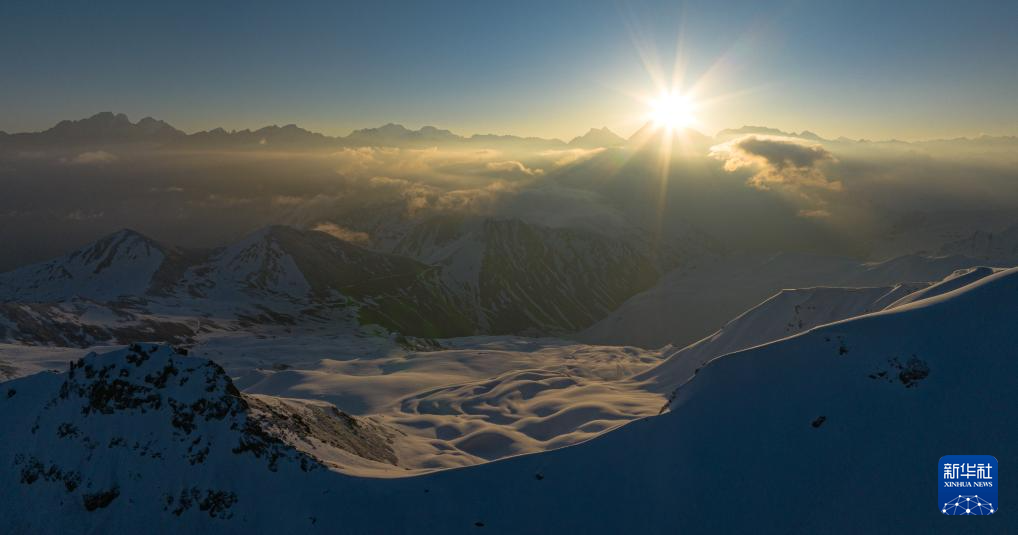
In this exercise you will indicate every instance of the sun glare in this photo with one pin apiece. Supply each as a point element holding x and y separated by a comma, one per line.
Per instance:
<point>672,111</point>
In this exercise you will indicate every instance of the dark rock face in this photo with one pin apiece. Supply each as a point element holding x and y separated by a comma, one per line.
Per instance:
<point>216,503</point>
<point>307,425</point>
<point>144,409</point>
<point>913,371</point>
<point>140,382</point>
<point>7,370</point>
<point>148,426</point>
<point>909,373</point>
<point>61,324</point>
<point>32,470</point>
<point>99,500</point>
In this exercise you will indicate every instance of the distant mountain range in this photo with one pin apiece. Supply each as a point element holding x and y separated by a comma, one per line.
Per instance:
<point>443,279</point>
<point>729,133</point>
<point>275,275</point>
<point>105,127</point>
<point>446,276</point>
<point>108,128</point>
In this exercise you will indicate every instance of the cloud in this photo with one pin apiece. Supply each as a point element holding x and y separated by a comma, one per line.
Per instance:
<point>214,200</point>
<point>30,154</point>
<point>562,158</point>
<point>421,165</point>
<point>422,197</point>
<point>778,161</point>
<point>433,179</point>
<point>793,166</point>
<point>441,167</point>
<point>94,157</point>
<point>476,200</point>
<point>287,200</point>
<point>513,167</point>
<point>817,212</point>
<point>84,215</point>
<point>343,233</point>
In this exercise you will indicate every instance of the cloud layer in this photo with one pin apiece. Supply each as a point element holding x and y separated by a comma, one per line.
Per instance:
<point>94,157</point>
<point>757,190</point>
<point>793,166</point>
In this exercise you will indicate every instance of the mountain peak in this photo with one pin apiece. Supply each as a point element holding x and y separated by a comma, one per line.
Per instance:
<point>128,233</point>
<point>767,131</point>
<point>101,120</point>
<point>121,263</point>
<point>154,411</point>
<point>391,128</point>
<point>148,367</point>
<point>129,237</point>
<point>109,127</point>
<point>397,134</point>
<point>598,137</point>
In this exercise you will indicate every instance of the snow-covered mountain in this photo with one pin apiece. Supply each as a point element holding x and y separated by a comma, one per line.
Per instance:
<point>84,323</point>
<point>123,263</point>
<point>690,303</point>
<point>598,137</point>
<point>958,279</point>
<point>790,436</point>
<point>524,277</point>
<point>446,277</point>
<point>151,428</point>
<point>275,275</point>
<point>791,312</point>
<point>995,248</point>
<point>397,292</point>
<point>787,313</point>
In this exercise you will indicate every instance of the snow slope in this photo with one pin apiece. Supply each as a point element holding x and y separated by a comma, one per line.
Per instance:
<point>122,263</point>
<point>470,401</point>
<point>836,430</point>
<point>451,277</point>
<point>525,278</point>
<point>690,303</point>
<point>466,402</point>
<point>744,448</point>
<point>958,279</point>
<point>787,313</point>
<point>126,287</point>
<point>996,248</point>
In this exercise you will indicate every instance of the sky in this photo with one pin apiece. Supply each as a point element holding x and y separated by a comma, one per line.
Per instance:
<point>863,69</point>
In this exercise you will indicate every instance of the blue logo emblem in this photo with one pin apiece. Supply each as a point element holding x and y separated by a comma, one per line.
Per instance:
<point>968,485</point>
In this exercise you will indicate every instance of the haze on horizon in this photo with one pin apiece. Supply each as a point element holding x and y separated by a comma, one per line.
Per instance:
<point>865,70</point>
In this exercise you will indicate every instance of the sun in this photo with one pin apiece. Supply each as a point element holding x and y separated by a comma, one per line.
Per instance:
<point>673,111</point>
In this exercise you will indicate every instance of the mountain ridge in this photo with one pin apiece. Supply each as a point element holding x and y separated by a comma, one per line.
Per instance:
<point>422,289</point>
<point>798,402</point>
<point>109,127</point>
